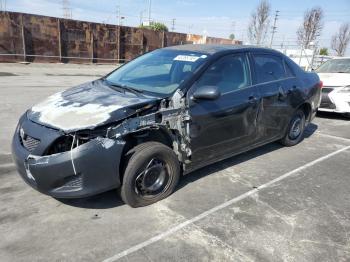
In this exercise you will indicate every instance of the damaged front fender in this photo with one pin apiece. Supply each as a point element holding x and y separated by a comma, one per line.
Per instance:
<point>171,116</point>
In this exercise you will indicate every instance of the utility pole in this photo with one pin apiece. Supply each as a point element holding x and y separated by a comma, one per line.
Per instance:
<point>173,24</point>
<point>3,5</point>
<point>233,27</point>
<point>141,18</point>
<point>149,11</point>
<point>118,15</point>
<point>67,11</point>
<point>274,27</point>
<point>190,28</point>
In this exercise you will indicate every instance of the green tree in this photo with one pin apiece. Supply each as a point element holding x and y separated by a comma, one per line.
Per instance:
<point>156,26</point>
<point>324,51</point>
<point>232,36</point>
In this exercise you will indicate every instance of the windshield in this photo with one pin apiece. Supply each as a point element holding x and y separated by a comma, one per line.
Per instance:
<point>159,72</point>
<point>335,66</point>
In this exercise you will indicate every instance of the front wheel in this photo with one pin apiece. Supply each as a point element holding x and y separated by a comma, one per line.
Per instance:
<point>295,129</point>
<point>151,174</point>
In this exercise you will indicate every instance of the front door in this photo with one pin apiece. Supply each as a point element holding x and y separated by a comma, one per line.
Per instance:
<point>227,124</point>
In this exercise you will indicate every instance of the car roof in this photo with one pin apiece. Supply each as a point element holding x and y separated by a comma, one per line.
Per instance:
<point>213,49</point>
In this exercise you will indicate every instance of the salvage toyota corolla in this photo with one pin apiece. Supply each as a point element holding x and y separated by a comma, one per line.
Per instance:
<point>163,114</point>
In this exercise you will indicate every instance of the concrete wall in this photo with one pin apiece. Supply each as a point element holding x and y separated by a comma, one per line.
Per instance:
<point>35,38</point>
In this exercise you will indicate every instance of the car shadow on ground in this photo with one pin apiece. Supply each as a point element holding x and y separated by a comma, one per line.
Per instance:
<point>106,200</point>
<point>310,130</point>
<point>331,115</point>
<point>112,199</point>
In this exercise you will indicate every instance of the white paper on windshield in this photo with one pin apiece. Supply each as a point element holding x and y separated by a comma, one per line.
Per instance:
<point>186,58</point>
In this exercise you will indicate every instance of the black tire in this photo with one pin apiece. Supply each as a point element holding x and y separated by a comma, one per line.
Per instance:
<point>347,115</point>
<point>151,174</point>
<point>295,130</point>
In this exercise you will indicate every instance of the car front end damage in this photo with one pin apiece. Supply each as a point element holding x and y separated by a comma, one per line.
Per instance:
<point>87,162</point>
<point>82,170</point>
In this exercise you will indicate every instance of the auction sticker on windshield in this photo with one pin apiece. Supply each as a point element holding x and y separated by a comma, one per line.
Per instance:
<point>186,58</point>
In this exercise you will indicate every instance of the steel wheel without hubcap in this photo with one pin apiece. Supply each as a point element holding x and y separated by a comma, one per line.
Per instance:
<point>296,128</point>
<point>153,180</point>
<point>151,174</point>
<point>295,131</point>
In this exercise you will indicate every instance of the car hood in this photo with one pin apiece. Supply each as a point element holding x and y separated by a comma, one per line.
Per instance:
<point>335,79</point>
<point>87,106</point>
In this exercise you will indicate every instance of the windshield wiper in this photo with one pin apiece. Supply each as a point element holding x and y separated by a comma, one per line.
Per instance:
<point>132,90</point>
<point>122,88</point>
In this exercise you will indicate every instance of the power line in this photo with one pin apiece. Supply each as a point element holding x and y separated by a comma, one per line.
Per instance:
<point>274,27</point>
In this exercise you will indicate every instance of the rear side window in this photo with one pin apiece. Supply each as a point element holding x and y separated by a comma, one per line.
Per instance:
<point>229,73</point>
<point>268,68</point>
<point>289,70</point>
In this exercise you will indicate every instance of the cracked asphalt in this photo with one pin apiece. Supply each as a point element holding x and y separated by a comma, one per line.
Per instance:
<point>269,204</point>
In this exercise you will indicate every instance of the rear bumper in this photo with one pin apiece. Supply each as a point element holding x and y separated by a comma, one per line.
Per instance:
<point>88,169</point>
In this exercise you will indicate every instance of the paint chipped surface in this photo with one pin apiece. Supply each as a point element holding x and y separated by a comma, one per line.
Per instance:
<point>106,142</point>
<point>63,114</point>
<point>85,107</point>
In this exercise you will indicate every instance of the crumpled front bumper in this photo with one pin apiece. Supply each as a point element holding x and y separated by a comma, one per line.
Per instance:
<point>88,169</point>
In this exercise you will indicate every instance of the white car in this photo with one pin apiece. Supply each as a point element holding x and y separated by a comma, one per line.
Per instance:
<point>335,75</point>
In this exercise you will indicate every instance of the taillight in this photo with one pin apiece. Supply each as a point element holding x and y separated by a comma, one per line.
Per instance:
<point>320,84</point>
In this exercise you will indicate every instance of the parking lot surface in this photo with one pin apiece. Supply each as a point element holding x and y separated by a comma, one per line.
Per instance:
<point>269,204</point>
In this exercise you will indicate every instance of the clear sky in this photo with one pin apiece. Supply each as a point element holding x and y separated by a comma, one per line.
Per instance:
<point>214,18</point>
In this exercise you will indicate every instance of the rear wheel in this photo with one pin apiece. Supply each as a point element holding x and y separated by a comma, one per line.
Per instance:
<point>151,174</point>
<point>295,129</point>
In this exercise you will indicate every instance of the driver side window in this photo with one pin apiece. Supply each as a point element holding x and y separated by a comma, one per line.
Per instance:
<point>229,73</point>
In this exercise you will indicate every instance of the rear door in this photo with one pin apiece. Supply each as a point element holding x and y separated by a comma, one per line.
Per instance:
<point>273,84</point>
<point>227,124</point>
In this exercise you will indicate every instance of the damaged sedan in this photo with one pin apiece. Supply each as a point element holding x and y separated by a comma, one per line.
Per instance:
<point>164,114</point>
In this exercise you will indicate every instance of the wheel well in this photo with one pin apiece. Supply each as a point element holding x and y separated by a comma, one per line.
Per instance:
<point>157,135</point>
<point>306,107</point>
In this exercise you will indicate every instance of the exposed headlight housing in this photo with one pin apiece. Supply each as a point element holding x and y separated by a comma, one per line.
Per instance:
<point>68,142</point>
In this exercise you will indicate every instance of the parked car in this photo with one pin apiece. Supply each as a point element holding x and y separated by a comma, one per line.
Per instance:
<point>335,75</point>
<point>164,114</point>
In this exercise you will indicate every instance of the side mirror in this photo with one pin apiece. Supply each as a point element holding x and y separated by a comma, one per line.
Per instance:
<point>206,93</point>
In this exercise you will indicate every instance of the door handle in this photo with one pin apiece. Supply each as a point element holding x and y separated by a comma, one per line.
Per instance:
<point>252,99</point>
<point>291,90</point>
<point>282,95</point>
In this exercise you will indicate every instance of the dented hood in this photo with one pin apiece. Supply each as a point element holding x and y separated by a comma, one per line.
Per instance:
<point>86,107</point>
